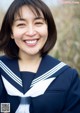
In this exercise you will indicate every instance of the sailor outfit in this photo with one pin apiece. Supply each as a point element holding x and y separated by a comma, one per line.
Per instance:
<point>54,88</point>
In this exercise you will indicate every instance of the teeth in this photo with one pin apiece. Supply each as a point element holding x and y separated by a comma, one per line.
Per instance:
<point>31,42</point>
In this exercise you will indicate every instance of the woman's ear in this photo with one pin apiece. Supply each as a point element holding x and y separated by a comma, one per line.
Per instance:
<point>12,36</point>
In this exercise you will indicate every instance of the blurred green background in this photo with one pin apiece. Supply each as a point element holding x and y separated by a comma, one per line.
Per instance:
<point>67,19</point>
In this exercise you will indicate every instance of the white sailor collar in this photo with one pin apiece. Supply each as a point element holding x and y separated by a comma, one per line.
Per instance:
<point>48,70</point>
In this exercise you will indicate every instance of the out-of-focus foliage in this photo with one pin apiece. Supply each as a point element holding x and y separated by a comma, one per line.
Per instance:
<point>67,49</point>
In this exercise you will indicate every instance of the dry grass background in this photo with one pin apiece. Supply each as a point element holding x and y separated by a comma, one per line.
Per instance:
<point>67,19</point>
<point>67,49</point>
<point>1,16</point>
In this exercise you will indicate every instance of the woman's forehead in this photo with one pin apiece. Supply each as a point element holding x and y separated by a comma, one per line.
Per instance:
<point>36,11</point>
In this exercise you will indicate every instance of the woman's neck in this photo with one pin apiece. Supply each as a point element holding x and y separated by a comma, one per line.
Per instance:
<point>29,63</point>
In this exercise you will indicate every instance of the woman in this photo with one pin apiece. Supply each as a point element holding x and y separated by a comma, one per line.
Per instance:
<point>32,81</point>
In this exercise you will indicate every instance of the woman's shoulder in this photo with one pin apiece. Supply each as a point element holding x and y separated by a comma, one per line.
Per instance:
<point>51,60</point>
<point>4,58</point>
<point>68,69</point>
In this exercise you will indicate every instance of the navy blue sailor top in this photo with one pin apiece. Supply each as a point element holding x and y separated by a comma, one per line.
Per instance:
<point>54,88</point>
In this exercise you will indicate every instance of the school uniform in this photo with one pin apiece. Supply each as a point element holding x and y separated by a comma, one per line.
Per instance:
<point>54,88</point>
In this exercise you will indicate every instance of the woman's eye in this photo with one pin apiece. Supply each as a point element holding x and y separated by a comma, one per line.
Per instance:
<point>39,23</point>
<point>20,25</point>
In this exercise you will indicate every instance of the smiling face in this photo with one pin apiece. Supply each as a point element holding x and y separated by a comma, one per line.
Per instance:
<point>30,31</point>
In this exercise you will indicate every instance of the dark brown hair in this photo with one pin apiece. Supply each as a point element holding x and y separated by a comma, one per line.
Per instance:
<point>8,45</point>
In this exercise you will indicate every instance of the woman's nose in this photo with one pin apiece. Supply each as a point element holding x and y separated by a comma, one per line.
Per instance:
<point>30,31</point>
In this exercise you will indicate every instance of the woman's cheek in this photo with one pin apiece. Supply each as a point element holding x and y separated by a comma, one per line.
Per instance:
<point>17,35</point>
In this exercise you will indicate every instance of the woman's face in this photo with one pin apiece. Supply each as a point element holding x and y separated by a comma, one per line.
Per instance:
<point>30,31</point>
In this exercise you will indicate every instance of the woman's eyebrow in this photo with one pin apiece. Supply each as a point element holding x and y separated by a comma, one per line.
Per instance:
<point>20,19</point>
<point>39,17</point>
<point>23,19</point>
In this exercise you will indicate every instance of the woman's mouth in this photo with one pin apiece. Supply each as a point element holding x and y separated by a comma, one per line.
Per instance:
<point>31,43</point>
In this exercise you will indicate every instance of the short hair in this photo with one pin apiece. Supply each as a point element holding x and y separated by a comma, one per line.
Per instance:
<point>8,45</point>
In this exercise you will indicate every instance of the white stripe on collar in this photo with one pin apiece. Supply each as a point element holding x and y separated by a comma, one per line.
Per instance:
<point>11,90</point>
<point>42,77</point>
<point>48,73</point>
<point>10,73</point>
<point>37,90</point>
